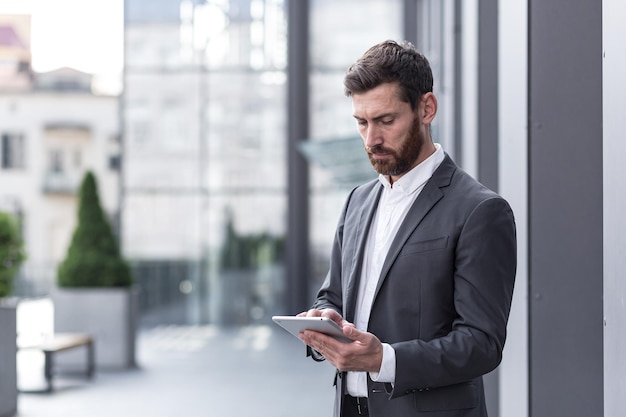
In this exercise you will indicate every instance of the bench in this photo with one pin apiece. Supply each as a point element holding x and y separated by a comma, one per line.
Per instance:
<point>62,342</point>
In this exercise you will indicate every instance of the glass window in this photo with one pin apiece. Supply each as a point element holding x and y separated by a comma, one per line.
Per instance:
<point>13,151</point>
<point>176,131</point>
<point>342,30</point>
<point>163,122</point>
<point>78,159</point>
<point>250,34</point>
<point>55,161</point>
<point>340,33</point>
<point>246,248</point>
<point>245,131</point>
<point>137,125</point>
<point>205,152</point>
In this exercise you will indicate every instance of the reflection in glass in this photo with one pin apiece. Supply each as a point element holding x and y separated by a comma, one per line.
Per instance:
<point>204,157</point>
<point>339,36</point>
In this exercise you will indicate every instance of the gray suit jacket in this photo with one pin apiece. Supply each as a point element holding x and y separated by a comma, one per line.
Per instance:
<point>443,297</point>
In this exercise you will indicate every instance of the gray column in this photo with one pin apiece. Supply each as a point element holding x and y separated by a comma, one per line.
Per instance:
<point>297,243</point>
<point>458,82</point>
<point>488,93</point>
<point>565,208</point>
<point>409,21</point>
<point>488,134</point>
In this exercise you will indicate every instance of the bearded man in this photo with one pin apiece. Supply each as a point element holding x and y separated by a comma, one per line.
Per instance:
<point>423,261</point>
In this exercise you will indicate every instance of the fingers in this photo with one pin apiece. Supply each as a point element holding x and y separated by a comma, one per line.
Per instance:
<point>322,343</point>
<point>363,354</point>
<point>327,312</point>
<point>310,313</point>
<point>334,316</point>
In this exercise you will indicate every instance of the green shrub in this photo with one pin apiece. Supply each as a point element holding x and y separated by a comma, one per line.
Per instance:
<point>93,258</point>
<point>11,252</point>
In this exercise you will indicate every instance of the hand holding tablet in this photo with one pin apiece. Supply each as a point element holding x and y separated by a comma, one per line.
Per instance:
<point>296,325</point>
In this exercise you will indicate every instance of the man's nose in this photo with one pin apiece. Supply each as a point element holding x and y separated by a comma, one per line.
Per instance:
<point>372,136</point>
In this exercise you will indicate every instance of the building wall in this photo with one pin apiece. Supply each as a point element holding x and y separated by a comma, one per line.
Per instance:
<point>85,128</point>
<point>561,106</point>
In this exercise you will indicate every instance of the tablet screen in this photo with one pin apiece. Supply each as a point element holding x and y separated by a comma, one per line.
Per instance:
<point>296,325</point>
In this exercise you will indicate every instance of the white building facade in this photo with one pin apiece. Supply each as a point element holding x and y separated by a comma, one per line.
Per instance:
<point>51,135</point>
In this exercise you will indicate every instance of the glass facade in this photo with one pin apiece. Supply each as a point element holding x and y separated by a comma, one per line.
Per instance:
<point>205,204</point>
<point>338,36</point>
<point>204,168</point>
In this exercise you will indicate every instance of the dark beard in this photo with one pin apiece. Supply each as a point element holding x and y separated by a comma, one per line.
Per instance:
<point>403,160</point>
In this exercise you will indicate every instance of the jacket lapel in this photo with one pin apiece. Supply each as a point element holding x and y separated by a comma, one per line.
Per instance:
<point>428,197</point>
<point>369,207</point>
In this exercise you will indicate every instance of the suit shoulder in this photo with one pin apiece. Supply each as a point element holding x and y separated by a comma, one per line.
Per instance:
<point>473,191</point>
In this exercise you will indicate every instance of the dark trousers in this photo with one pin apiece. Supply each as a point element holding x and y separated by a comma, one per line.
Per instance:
<point>354,407</point>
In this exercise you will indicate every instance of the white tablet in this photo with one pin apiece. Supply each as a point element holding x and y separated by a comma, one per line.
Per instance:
<point>296,325</point>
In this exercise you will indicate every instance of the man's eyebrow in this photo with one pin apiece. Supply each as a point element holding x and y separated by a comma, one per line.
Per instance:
<point>377,118</point>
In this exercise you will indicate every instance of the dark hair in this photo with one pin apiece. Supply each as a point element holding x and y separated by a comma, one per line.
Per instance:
<point>390,62</point>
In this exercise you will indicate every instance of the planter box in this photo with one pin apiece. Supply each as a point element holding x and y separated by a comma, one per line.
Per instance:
<point>109,315</point>
<point>8,359</point>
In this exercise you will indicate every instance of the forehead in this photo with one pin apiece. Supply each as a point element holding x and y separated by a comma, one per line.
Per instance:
<point>379,100</point>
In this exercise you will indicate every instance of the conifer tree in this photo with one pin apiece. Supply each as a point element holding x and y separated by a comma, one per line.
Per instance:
<point>93,258</point>
<point>11,252</point>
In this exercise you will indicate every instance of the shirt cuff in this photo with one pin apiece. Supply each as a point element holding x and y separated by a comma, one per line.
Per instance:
<point>387,371</point>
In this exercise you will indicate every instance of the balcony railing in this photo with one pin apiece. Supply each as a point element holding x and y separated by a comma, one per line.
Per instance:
<point>60,183</point>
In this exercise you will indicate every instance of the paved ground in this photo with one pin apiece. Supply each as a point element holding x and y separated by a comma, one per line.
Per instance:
<point>193,371</point>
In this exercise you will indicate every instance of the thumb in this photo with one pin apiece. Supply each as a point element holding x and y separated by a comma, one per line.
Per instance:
<point>352,332</point>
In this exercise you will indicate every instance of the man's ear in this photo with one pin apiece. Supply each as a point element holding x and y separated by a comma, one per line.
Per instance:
<point>429,107</point>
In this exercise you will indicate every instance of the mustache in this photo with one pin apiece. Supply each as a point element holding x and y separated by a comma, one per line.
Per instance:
<point>377,149</point>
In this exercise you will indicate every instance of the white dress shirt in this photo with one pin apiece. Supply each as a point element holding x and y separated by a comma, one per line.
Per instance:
<point>393,206</point>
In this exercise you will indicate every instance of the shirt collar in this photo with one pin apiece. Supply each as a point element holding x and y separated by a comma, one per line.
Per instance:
<point>417,176</point>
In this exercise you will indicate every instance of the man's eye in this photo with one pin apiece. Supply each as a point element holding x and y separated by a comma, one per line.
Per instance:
<point>387,122</point>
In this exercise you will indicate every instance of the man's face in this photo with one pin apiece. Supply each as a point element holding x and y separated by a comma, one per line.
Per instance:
<point>390,130</point>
